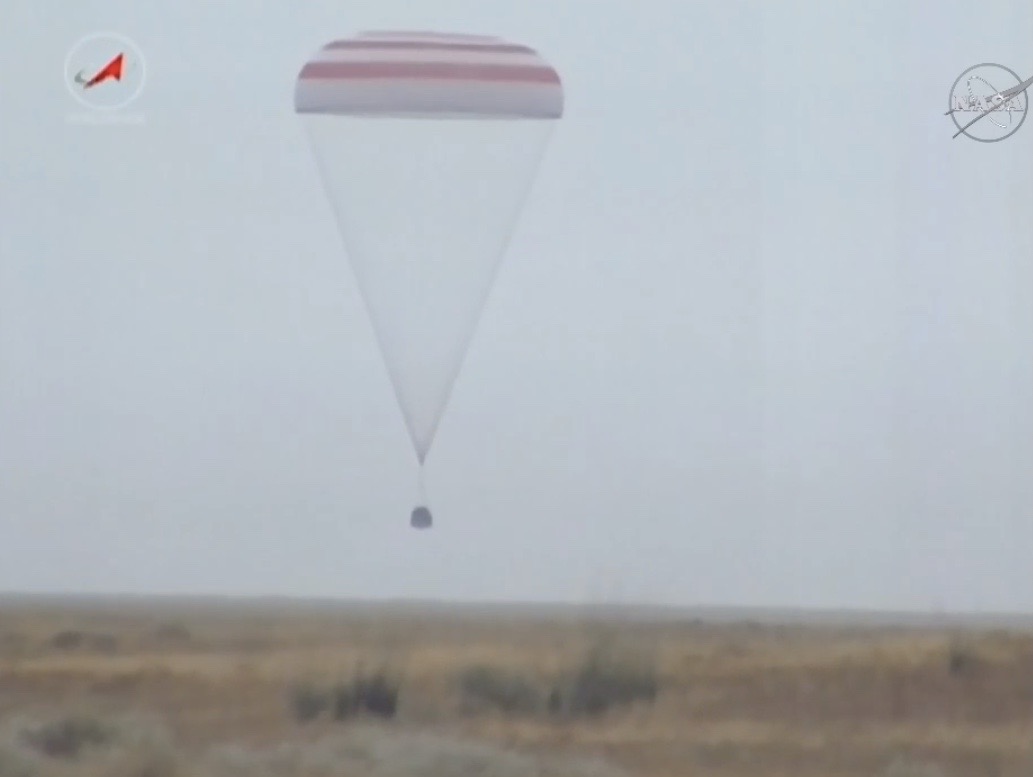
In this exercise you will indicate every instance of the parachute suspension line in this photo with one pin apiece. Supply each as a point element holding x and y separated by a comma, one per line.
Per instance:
<point>325,181</point>
<point>524,194</point>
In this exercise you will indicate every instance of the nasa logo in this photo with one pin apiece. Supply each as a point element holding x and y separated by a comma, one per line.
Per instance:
<point>988,103</point>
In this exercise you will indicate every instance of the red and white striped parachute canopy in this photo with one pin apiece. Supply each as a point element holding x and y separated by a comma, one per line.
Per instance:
<point>428,74</point>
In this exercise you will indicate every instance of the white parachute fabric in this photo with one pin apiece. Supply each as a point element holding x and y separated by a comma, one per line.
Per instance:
<point>427,145</point>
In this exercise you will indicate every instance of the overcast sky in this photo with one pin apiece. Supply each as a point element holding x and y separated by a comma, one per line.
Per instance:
<point>764,333</point>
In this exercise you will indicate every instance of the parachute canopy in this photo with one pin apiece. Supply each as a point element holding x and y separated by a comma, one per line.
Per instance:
<point>428,74</point>
<point>427,144</point>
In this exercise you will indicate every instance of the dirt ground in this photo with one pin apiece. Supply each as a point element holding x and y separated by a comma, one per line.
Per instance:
<point>175,689</point>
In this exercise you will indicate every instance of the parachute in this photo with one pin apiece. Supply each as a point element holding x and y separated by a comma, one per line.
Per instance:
<point>427,145</point>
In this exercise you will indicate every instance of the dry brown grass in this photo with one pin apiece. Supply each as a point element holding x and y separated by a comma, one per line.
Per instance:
<point>213,691</point>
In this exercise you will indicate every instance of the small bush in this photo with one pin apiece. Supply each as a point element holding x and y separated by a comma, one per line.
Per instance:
<point>374,694</point>
<point>309,702</point>
<point>69,639</point>
<point>961,659</point>
<point>80,743</point>
<point>73,639</point>
<point>67,737</point>
<point>486,687</point>
<point>604,681</point>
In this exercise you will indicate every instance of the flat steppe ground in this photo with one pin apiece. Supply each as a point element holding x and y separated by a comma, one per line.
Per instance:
<point>176,688</point>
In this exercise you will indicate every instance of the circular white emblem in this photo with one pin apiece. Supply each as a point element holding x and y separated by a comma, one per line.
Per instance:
<point>982,93</point>
<point>105,71</point>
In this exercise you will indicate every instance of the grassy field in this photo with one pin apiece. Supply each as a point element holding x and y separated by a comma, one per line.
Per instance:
<point>175,689</point>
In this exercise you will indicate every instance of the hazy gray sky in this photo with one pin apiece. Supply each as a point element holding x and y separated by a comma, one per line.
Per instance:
<point>764,334</point>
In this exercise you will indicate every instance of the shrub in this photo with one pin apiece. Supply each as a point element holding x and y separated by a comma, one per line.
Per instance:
<point>487,687</point>
<point>375,694</point>
<point>603,681</point>
<point>69,639</point>
<point>961,659</point>
<point>67,737</point>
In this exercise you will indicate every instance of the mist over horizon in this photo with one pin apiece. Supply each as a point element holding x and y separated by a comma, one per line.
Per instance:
<point>775,353</point>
